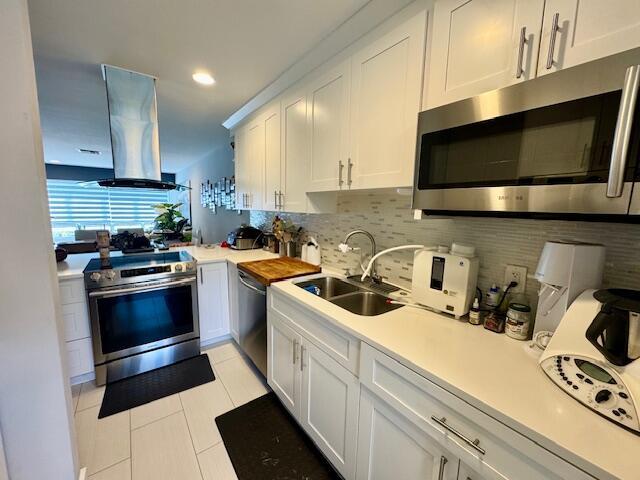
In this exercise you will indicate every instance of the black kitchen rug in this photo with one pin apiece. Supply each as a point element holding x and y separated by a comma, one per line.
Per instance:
<point>265,442</point>
<point>149,386</point>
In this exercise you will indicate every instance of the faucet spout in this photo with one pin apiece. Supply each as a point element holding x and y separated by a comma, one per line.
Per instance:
<point>374,276</point>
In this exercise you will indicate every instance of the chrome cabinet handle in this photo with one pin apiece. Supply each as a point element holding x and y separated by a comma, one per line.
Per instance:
<point>523,40</point>
<point>301,357</point>
<point>275,199</point>
<point>295,350</point>
<point>552,40</point>
<point>340,168</point>
<point>201,277</point>
<point>281,195</point>
<point>349,167</point>
<point>443,462</point>
<point>622,134</point>
<point>472,443</point>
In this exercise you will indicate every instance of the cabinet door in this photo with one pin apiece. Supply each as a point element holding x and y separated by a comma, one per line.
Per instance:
<point>389,446</point>
<point>476,47</point>
<point>242,168</point>
<point>295,152</point>
<point>255,164</point>
<point>586,30</point>
<point>328,111</point>
<point>385,101</point>
<point>213,302</point>
<point>232,283</point>
<point>272,170</point>
<point>283,362</point>
<point>79,357</point>
<point>329,407</point>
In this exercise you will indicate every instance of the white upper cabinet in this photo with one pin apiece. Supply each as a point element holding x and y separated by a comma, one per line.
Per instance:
<point>482,45</point>
<point>577,31</point>
<point>295,152</point>
<point>386,86</point>
<point>328,112</point>
<point>272,159</point>
<point>255,164</point>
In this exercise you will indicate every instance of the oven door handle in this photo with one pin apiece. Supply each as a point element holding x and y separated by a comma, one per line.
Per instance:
<point>623,132</point>
<point>143,288</point>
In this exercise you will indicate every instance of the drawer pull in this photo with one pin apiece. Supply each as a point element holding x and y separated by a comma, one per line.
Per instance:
<point>472,443</point>
<point>295,351</point>
<point>443,462</point>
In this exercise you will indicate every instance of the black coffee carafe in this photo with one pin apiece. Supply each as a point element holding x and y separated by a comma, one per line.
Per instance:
<point>615,331</point>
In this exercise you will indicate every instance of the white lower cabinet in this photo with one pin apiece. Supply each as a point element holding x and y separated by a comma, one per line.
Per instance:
<point>77,329</point>
<point>232,282</point>
<point>213,301</point>
<point>390,447</point>
<point>320,393</point>
<point>79,357</point>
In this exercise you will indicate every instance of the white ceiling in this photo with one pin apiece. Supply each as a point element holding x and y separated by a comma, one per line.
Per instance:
<point>244,44</point>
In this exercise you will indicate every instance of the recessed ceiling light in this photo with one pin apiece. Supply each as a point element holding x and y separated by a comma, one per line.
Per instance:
<point>203,78</point>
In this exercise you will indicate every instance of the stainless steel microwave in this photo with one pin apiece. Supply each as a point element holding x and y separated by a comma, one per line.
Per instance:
<point>563,144</point>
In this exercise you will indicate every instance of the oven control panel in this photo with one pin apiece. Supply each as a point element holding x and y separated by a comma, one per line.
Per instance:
<point>596,387</point>
<point>109,277</point>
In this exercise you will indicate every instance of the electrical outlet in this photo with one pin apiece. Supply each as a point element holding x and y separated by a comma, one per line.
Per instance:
<point>516,273</point>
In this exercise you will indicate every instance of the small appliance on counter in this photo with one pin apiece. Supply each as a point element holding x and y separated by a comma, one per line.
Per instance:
<point>593,355</point>
<point>245,238</point>
<point>445,281</point>
<point>565,270</point>
<point>131,242</point>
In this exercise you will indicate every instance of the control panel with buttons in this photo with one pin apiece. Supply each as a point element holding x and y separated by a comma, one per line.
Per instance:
<point>594,385</point>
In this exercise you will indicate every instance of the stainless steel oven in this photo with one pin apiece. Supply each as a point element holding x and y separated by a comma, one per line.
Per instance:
<point>563,144</point>
<point>143,315</point>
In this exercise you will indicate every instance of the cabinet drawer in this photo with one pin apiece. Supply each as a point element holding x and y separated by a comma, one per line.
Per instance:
<point>507,454</point>
<point>339,345</point>
<point>72,291</point>
<point>79,357</point>
<point>76,321</point>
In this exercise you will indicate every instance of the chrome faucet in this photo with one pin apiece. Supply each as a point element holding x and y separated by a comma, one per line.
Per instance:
<point>344,247</point>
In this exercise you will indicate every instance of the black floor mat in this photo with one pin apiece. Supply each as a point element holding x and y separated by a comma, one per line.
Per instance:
<point>149,386</point>
<point>264,442</point>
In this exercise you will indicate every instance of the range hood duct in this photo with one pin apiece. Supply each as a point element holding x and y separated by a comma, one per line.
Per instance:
<point>133,124</point>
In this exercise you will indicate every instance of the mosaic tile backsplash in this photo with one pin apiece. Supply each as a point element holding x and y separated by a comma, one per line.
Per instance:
<point>498,242</point>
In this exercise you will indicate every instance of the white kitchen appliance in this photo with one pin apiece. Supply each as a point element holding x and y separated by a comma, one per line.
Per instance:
<point>445,281</point>
<point>565,270</point>
<point>582,367</point>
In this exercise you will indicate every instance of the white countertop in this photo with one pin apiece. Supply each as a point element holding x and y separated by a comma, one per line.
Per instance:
<point>495,374</point>
<point>73,265</point>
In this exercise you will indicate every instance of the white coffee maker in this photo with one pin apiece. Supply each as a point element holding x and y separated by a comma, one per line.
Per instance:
<point>565,270</point>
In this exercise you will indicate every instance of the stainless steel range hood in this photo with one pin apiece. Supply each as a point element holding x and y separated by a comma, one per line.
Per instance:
<point>133,124</point>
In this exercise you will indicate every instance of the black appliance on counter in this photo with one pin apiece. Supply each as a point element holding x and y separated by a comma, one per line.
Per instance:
<point>245,238</point>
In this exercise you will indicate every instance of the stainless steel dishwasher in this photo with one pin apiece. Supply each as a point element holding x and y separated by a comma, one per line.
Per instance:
<point>252,319</point>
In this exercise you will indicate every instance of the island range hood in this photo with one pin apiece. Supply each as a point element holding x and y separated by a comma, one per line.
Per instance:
<point>133,125</point>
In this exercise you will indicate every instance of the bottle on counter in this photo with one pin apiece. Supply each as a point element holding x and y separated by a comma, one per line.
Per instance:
<point>475,315</point>
<point>493,296</point>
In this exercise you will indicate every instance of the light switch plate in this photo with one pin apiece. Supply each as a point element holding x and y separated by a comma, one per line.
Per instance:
<point>516,273</point>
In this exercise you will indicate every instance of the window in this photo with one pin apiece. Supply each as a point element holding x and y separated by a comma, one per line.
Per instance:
<point>76,207</point>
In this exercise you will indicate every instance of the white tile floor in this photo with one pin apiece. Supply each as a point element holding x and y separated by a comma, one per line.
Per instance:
<point>174,437</point>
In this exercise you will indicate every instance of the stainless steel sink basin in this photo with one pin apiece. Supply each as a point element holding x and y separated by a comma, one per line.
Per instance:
<point>367,304</point>
<point>328,287</point>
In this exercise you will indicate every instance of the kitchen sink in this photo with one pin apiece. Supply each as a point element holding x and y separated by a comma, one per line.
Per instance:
<point>367,304</point>
<point>328,287</point>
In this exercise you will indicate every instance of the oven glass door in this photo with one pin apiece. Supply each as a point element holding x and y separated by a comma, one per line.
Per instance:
<point>564,144</point>
<point>141,318</point>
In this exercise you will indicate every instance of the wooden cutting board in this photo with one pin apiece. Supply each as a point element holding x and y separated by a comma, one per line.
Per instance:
<point>276,269</point>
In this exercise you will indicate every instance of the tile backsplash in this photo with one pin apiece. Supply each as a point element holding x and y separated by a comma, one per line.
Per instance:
<point>389,218</point>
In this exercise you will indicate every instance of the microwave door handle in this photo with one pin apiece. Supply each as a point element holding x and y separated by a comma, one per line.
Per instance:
<point>623,132</point>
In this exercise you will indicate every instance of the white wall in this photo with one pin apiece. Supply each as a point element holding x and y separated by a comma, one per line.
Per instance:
<point>35,403</point>
<point>218,164</point>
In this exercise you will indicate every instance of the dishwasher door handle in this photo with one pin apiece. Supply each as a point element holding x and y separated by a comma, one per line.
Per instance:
<point>251,287</point>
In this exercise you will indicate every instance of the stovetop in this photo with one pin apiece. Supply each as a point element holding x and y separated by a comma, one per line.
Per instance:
<point>139,260</point>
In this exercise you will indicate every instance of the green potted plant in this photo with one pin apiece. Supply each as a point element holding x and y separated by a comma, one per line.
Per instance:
<point>170,222</point>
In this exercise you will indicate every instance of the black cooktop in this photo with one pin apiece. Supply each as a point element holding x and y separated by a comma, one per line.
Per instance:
<point>138,260</point>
